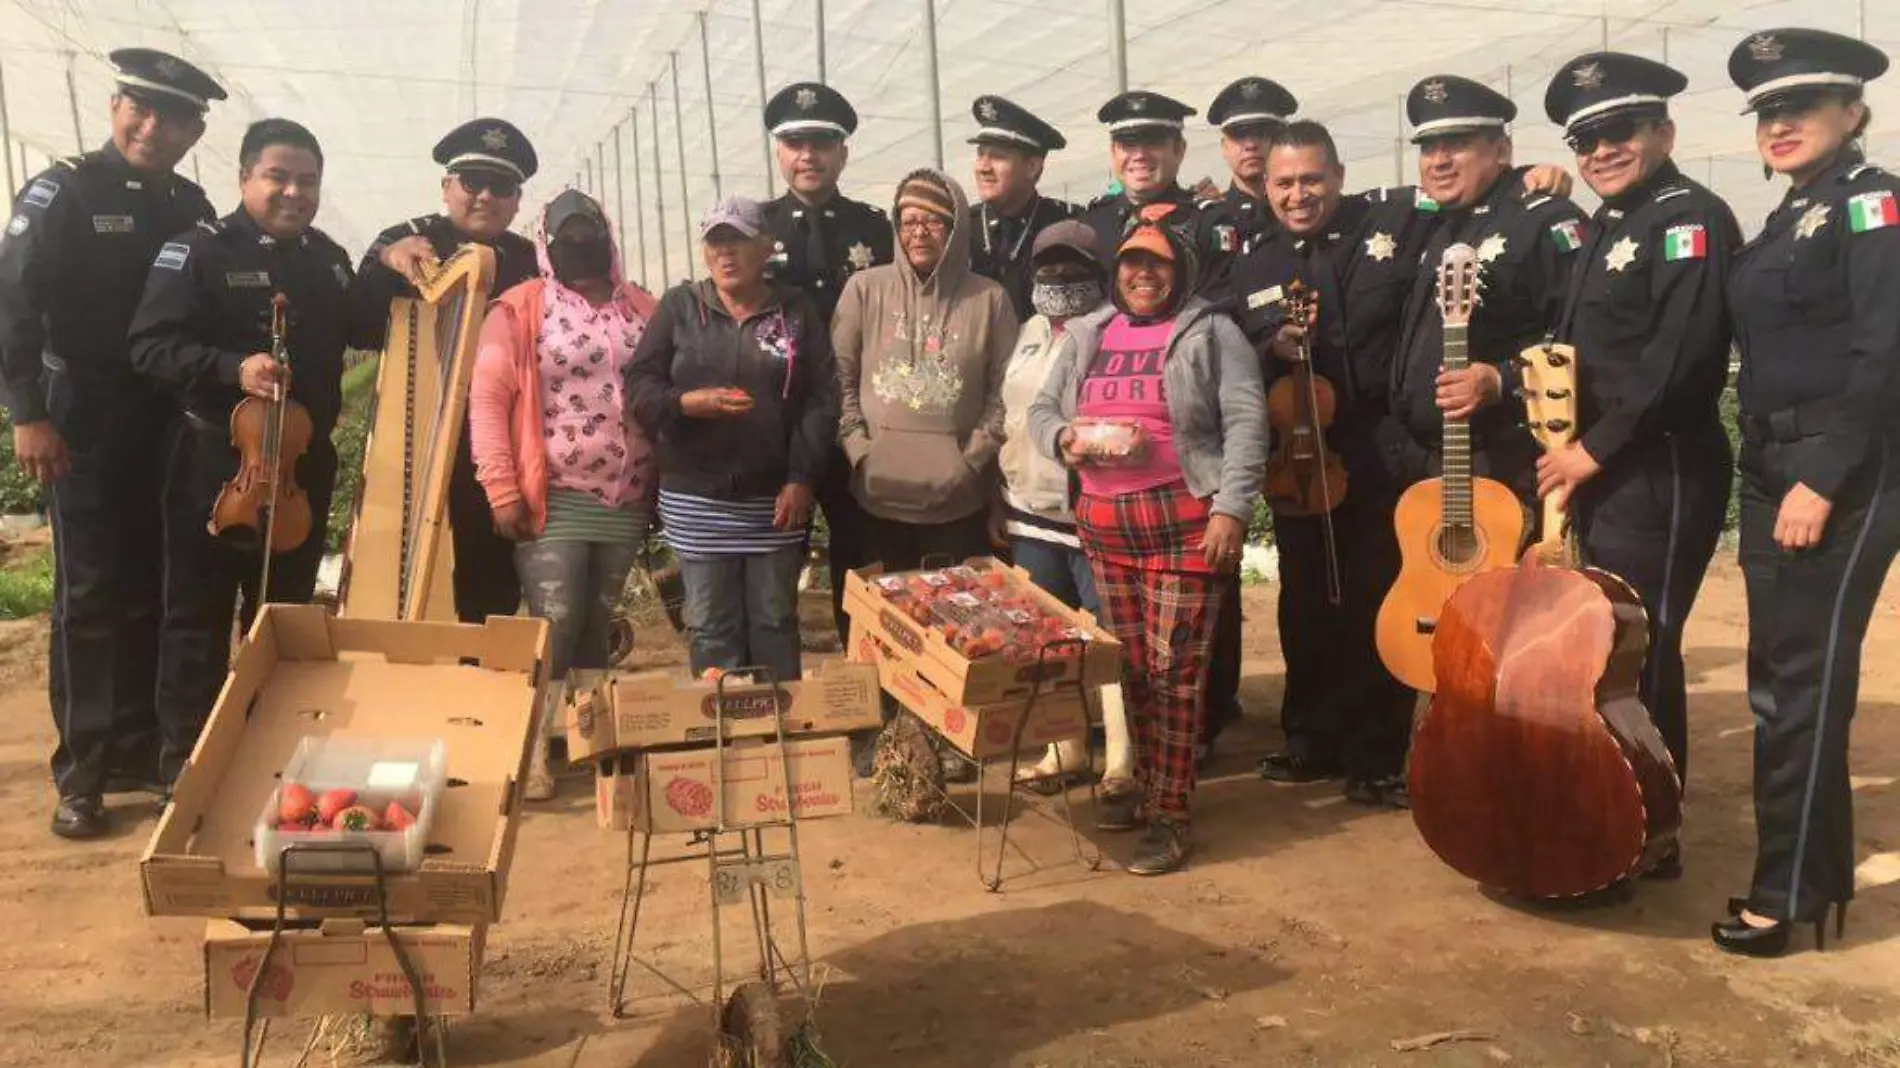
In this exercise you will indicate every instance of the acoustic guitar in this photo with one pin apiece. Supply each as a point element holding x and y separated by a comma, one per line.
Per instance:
<point>1536,771</point>
<point>1450,527</point>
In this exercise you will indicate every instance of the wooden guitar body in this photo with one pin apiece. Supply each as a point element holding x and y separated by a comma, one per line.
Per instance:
<point>1435,560</point>
<point>1536,770</point>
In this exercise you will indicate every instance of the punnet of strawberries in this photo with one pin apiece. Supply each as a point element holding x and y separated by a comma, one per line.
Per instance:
<point>342,810</point>
<point>982,612</point>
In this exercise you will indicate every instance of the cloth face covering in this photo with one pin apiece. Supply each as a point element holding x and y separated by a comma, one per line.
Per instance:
<point>1065,300</point>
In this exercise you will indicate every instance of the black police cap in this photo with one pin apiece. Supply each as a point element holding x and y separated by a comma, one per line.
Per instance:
<point>1002,122</point>
<point>1774,64</point>
<point>1445,103</point>
<point>1252,102</point>
<point>1139,111</point>
<point>1602,85</point>
<point>488,144</point>
<point>805,109</point>
<point>162,79</point>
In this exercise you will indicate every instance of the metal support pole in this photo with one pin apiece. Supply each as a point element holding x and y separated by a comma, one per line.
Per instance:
<point>72,102</point>
<point>820,5</point>
<point>6,132</point>
<point>712,115</point>
<point>620,199</point>
<point>1398,148</point>
<point>659,188</point>
<point>1860,19</point>
<point>1605,20</point>
<point>679,141</point>
<point>1118,45</point>
<point>1665,55</point>
<point>196,180</point>
<point>25,171</point>
<point>1510,89</point>
<point>639,201</point>
<point>930,81</point>
<point>758,62</point>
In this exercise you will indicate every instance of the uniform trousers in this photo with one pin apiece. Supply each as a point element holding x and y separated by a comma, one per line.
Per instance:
<point>1652,517</point>
<point>486,581</point>
<point>1808,613</point>
<point>845,523</point>
<point>108,566</point>
<point>206,576</point>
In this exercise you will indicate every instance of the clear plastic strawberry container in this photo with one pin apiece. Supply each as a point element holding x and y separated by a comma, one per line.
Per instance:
<point>374,791</point>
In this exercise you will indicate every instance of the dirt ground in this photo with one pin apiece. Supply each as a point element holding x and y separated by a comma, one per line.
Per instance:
<point>1307,931</point>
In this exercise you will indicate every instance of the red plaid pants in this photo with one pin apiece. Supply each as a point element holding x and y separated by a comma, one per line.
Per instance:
<point>1165,623</point>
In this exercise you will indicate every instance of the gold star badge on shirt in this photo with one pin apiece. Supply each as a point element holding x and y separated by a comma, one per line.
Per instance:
<point>1380,246</point>
<point>1621,255</point>
<point>1492,248</point>
<point>1811,222</point>
<point>859,255</point>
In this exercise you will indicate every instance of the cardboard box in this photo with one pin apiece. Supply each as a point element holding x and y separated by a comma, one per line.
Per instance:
<point>663,791</point>
<point>302,673</point>
<point>988,680</point>
<point>345,967</point>
<point>980,731</point>
<point>662,709</point>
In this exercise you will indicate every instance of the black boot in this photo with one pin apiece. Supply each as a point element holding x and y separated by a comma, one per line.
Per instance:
<point>1296,768</point>
<point>1165,848</point>
<point>80,817</point>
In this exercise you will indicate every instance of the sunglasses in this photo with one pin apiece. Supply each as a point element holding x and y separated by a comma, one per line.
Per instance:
<point>1614,131</point>
<point>479,182</point>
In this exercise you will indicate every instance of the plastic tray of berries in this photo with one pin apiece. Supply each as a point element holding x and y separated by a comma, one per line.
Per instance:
<point>982,612</point>
<point>341,793</point>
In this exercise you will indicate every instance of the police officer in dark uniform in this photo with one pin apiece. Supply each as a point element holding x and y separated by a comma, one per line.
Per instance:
<point>1526,246</point>
<point>487,160</point>
<point>1011,146</point>
<point>72,266</point>
<point>1342,711</point>
<point>1248,112</point>
<point>203,332</point>
<point>1813,300</point>
<point>1146,151</point>
<point>821,238</point>
<point>1648,314</point>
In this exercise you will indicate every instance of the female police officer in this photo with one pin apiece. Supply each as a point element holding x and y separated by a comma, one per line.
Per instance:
<point>1820,338</point>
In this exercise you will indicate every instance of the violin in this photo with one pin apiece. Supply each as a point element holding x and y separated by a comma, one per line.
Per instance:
<point>263,503</point>
<point>1304,477</point>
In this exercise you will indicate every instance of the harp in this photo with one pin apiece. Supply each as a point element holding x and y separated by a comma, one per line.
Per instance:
<point>397,562</point>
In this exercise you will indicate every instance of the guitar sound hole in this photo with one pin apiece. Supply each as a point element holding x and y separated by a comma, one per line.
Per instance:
<point>1459,548</point>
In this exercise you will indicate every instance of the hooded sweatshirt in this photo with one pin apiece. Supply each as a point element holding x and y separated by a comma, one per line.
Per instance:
<point>921,363</point>
<point>547,405</point>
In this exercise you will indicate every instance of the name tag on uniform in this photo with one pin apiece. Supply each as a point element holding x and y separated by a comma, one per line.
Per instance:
<point>247,279</point>
<point>112,224</point>
<point>1260,298</point>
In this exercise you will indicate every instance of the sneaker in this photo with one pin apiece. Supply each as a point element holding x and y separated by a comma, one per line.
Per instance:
<point>1295,769</point>
<point>1164,848</point>
<point>1668,869</point>
<point>1119,812</point>
<point>1393,793</point>
<point>1363,791</point>
<point>80,817</point>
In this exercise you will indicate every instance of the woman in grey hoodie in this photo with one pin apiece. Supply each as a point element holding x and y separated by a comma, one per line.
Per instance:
<point>922,346</point>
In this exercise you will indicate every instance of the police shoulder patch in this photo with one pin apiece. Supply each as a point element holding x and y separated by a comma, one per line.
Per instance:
<point>41,193</point>
<point>172,256</point>
<point>1568,235</point>
<point>18,225</point>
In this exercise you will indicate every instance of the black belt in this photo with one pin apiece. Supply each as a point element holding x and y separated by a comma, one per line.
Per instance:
<point>1792,424</point>
<point>208,426</point>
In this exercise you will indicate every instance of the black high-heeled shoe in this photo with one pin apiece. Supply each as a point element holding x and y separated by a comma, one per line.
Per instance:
<point>1736,935</point>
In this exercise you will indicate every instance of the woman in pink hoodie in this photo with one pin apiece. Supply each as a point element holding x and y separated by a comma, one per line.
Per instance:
<point>568,474</point>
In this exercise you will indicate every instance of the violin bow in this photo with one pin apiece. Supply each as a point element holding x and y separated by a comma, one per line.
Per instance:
<point>1304,307</point>
<point>273,439</point>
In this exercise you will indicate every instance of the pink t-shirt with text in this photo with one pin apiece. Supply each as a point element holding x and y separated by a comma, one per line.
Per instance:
<point>1124,384</point>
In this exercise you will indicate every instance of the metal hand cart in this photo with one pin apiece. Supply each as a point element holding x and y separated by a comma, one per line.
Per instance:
<point>421,1022</point>
<point>740,867</point>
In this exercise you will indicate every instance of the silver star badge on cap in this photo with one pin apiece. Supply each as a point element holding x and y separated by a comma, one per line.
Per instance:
<point>1250,90</point>
<point>1436,93</point>
<point>1764,47</point>
<point>987,109</point>
<point>807,99</point>
<point>494,139</point>
<point>1588,76</point>
<point>1136,103</point>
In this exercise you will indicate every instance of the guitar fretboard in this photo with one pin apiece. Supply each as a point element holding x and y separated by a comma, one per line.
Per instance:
<point>1456,478</point>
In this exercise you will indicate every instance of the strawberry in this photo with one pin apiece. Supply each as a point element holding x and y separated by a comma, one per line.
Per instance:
<point>294,825</point>
<point>295,803</point>
<point>334,802</point>
<point>397,818</point>
<point>356,818</point>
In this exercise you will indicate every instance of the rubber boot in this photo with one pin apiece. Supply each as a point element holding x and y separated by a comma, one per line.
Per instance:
<point>1118,769</point>
<point>540,784</point>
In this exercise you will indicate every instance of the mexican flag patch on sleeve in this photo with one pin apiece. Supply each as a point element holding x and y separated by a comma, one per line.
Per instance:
<point>1871,211</point>
<point>1689,242</point>
<point>1568,235</point>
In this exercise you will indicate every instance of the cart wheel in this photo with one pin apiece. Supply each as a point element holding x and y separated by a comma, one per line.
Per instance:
<point>619,640</point>
<point>749,1031</point>
<point>906,772</point>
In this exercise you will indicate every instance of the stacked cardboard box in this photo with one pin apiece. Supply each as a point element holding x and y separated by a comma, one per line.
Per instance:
<point>303,673</point>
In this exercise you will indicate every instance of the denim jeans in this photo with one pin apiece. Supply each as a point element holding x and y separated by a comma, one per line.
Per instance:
<point>742,611</point>
<point>1061,572</point>
<point>574,585</point>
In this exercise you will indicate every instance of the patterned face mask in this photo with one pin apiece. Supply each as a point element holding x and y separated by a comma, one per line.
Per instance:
<point>1065,300</point>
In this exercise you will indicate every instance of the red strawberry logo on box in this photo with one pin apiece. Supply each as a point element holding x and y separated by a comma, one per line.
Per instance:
<point>277,982</point>
<point>689,797</point>
<point>955,720</point>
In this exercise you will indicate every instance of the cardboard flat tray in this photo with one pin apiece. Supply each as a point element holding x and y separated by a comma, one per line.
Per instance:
<point>984,732</point>
<point>657,709</point>
<point>301,673</point>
